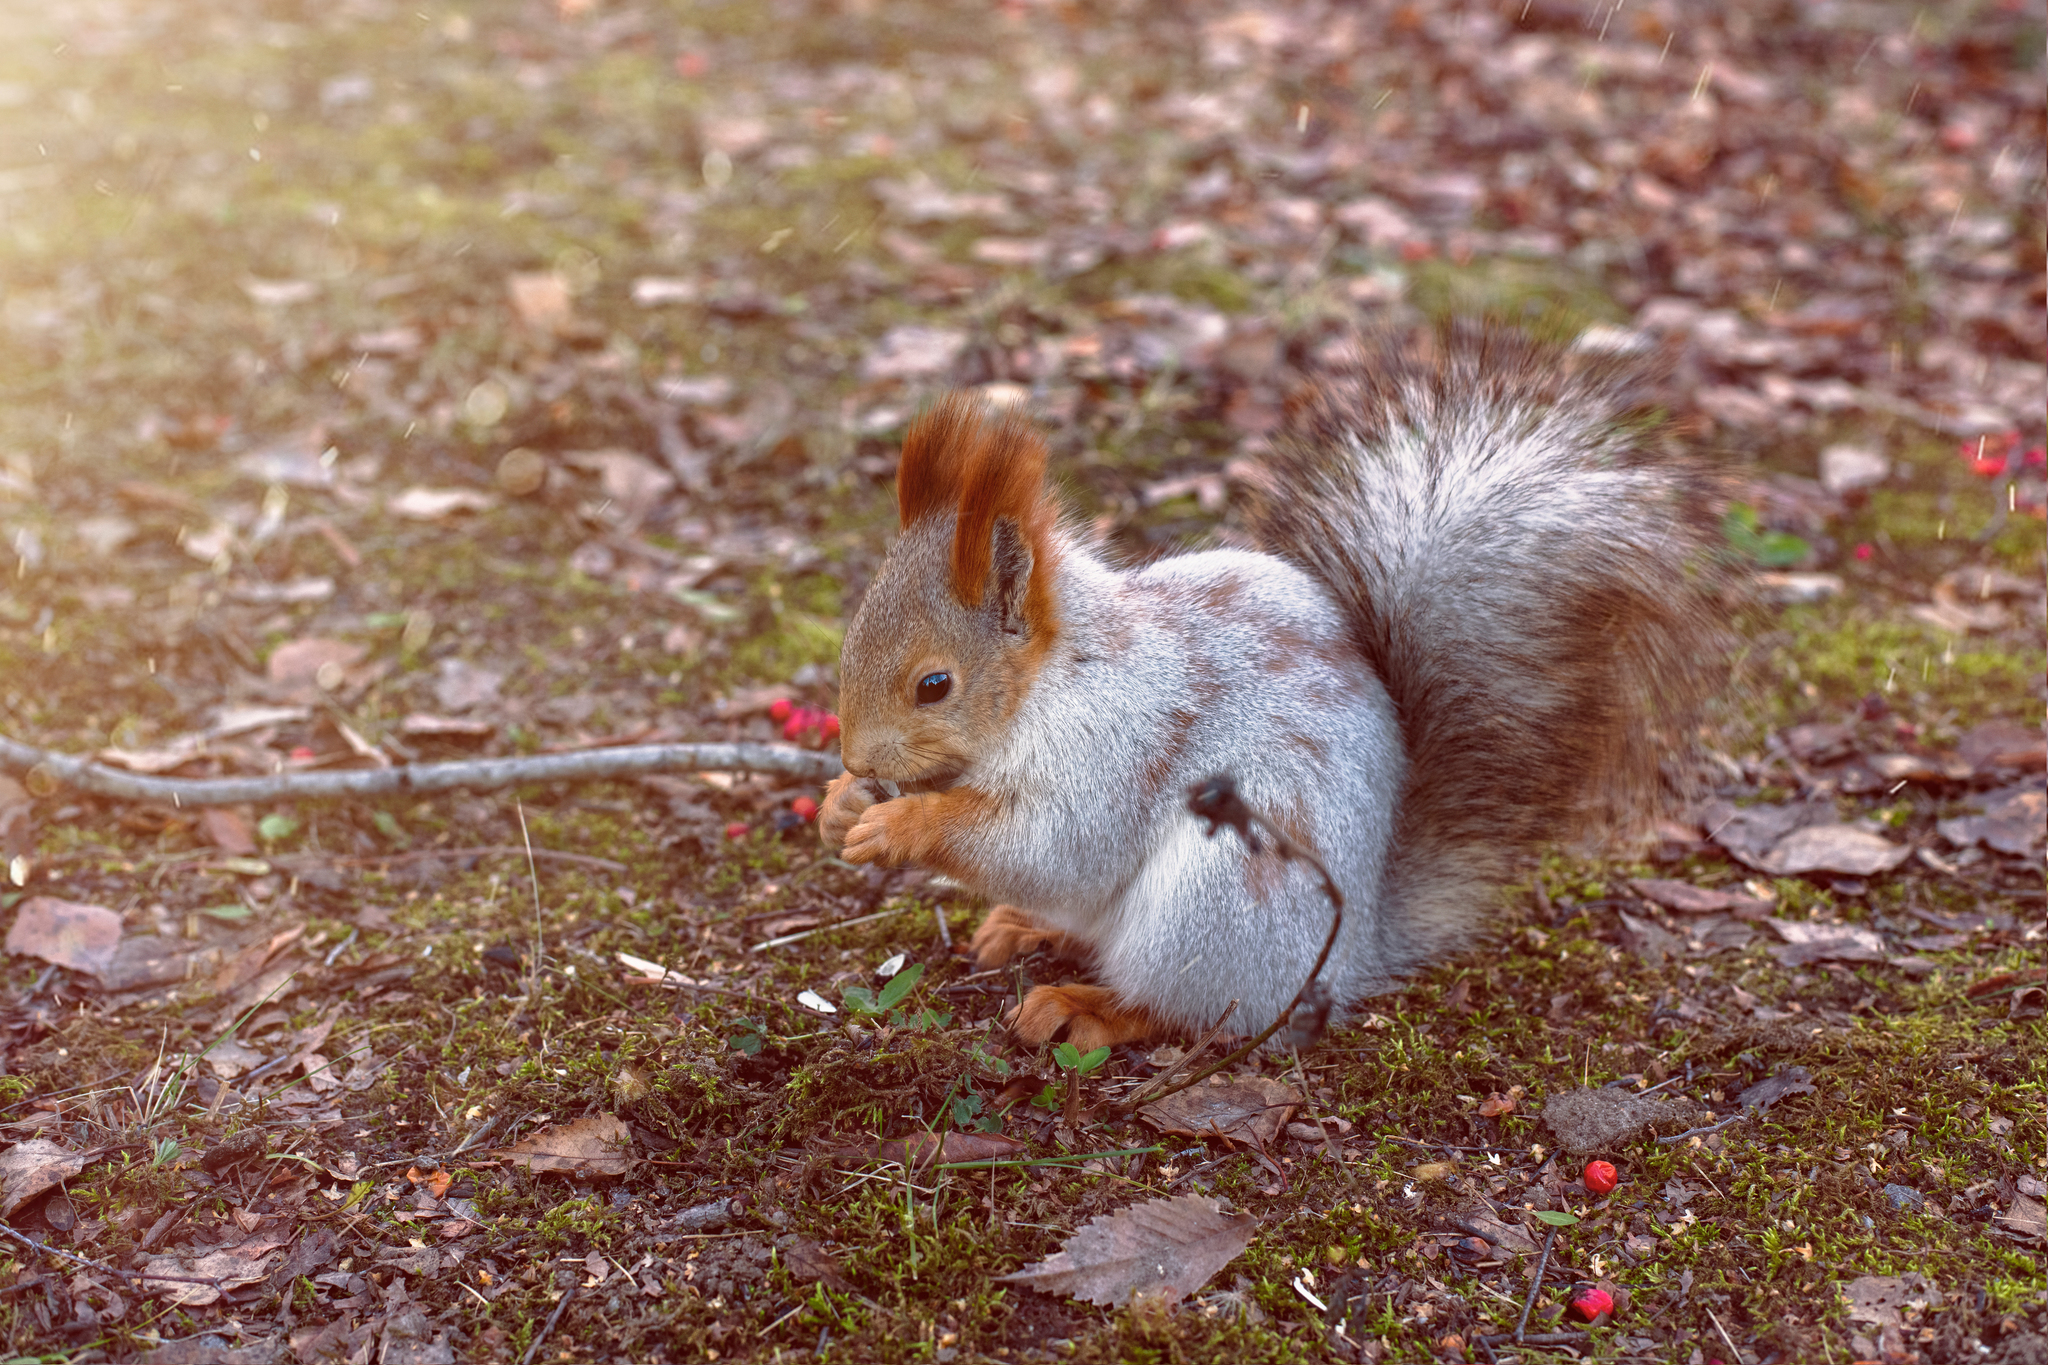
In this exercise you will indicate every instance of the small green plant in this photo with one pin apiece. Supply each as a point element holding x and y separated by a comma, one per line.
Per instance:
<point>1076,1065</point>
<point>1749,540</point>
<point>165,1154</point>
<point>861,1002</point>
<point>752,1035</point>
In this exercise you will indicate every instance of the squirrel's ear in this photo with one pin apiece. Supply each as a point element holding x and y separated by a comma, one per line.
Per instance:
<point>1010,576</point>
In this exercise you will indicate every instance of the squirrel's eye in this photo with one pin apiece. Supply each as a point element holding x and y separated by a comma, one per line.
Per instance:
<point>933,687</point>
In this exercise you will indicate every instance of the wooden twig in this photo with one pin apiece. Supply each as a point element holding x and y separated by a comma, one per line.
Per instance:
<point>1536,1284</point>
<point>1217,801</point>
<point>549,1326</point>
<point>1143,1094</point>
<point>476,774</point>
<point>1702,1132</point>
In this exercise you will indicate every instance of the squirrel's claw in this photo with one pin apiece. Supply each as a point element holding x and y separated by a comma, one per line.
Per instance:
<point>1093,1016</point>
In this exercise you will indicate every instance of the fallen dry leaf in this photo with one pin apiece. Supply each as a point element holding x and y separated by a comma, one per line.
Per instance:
<point>1793,1080</point>
<point>1506,1236</point>
<point>228,830</point>
<point>1695,900</point>
<point>925,1149</point>
<point>29,1168</point>
<point>1162,1250</point>
<point>2014,821</point>
<point>1878,1298</point>
<point>2028,1217</point>
<point>600,1145</point>
<point>1825,940</point>
<point>68,933</point>
<point>1250,1109</point>
<point>2003,744</point>
<point>807,1261</point>
<point>1834,848</point>
<point>227,1268</point>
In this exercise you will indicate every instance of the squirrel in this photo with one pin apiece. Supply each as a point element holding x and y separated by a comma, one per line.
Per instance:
<point>1483,581</point>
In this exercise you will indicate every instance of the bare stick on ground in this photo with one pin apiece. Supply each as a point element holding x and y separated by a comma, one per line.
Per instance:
<point>477,774</point>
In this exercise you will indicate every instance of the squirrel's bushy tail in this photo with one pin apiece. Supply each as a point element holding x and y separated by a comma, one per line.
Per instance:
<point>1534,580</point>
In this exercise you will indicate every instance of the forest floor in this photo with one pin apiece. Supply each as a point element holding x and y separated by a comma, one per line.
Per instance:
<point>385,383</point>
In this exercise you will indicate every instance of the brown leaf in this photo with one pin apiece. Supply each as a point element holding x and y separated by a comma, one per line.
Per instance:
<point>600,1145</point>
<point>1695,900</point>
<point>925,1149</point>
<point>81,937</point>
<point>229,830</point>
<point>807,1261</point>
<point>27,1169</point>
<point>1250,1109</point>
<point>1824,940</point>
<point>1878,1298</point>
<point>1834,848</point>
<point>2012,822</point>
<point>227,1268</point>
<point>1506,1236</point>
<point>1494,1105</point>
<point>247,965</point>
<point>2028,1217</point>
<point>2003,744</point>
<point>437,1182</point>
<point>1164,1250</point>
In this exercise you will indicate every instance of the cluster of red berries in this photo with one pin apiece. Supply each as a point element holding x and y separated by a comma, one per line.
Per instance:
<point>797,721</point>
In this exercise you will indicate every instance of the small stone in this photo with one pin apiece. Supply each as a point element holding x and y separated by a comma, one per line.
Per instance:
<point>1905,1198</point>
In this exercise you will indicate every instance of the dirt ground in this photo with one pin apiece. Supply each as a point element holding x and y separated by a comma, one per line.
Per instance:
<point>387,384</point>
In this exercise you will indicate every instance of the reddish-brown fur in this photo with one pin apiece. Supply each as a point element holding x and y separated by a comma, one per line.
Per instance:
<point>1093,1016</point>
<point>958,458</point>
<point>928,829</point>
<point>1008,933</point>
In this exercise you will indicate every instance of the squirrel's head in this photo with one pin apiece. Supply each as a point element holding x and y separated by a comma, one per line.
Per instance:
<point>953,630</point>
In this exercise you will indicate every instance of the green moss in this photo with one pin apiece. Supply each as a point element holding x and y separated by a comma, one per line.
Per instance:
<point>1834,653</point>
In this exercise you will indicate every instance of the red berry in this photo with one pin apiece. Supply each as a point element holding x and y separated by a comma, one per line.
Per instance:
<point>805,807</point>
<point>829,727</point>
<point>1601,1177</point>
<point>736,830</point>
<point>1591,1302</point>
<point>779,709</point>
<point>1864,551</point>
<point>794,726</point>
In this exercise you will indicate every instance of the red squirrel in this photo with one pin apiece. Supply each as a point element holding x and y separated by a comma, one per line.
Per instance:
<point>1480,585</point>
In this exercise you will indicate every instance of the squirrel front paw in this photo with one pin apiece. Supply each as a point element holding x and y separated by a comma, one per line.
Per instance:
<point>1093,1017</point>
<point>846,798</point>
<point>887,833</point>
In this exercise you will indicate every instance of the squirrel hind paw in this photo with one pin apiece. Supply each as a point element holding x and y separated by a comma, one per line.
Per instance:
<point>1008,933</point>
<point>1091,1017</point>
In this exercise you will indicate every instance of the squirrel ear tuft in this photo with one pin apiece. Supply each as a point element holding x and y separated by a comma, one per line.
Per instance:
<point>983,467</point>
